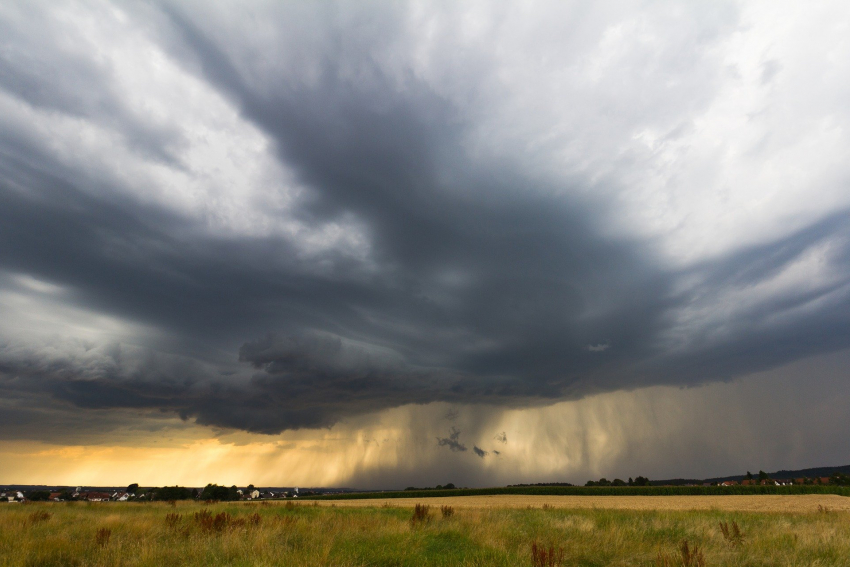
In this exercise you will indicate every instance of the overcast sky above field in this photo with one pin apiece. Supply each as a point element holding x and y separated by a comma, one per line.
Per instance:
<point>386,243</point>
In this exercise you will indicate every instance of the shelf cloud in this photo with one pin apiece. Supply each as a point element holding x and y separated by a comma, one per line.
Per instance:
<point>294,215</point>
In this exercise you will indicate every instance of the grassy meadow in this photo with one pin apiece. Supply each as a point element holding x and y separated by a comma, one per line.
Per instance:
<point>266,534</point>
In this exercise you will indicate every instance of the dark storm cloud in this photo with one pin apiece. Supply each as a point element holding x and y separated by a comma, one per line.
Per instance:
<point>453,441</point>
<point>483,282</point>
<point>479,452</point>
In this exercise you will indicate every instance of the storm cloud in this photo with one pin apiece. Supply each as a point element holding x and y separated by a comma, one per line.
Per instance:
<point>291,215</point>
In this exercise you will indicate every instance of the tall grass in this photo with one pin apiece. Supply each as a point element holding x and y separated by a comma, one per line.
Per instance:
<point>196,534</point>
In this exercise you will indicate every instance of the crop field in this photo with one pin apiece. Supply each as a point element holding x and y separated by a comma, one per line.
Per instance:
<point>529,531</point>
<point>733,503</point>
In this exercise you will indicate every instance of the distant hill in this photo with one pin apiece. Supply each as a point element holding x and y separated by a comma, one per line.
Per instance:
<point>810,473</point>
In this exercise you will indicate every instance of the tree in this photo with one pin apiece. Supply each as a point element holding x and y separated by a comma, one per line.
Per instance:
<point>749,476</point>
<point>133,488</point>
<point>839,479</point>
<point>171,493</point>
<point>38,495</point>
<point>216,492</point>
<point>763,476</point>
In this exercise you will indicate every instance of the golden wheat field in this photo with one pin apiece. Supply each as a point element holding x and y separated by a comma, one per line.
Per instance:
<point>682,531</point>
<point>732,503</point>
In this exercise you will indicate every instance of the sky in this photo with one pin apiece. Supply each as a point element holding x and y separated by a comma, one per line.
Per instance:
<point>381,244</point>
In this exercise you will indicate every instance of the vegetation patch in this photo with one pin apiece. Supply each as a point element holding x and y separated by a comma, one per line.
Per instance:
<point>227,533</point>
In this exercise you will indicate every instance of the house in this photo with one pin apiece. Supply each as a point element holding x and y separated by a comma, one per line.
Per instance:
<point>95,496</point>
<point>54,497</point>
<point>729,483</point>
<point>748,482</point>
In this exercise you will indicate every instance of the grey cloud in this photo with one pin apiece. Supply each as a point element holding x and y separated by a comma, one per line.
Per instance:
<point>39,68</point>
<point>480,452</point>
<point>484,281</point>
<point>452,441</point>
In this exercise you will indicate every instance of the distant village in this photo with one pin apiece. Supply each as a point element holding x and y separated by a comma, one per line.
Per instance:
<point>134,493</point>
<point>760,479</point>
<point>214,492</point>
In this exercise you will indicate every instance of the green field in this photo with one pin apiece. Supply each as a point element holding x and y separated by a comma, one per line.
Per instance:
<point>159,534</point>
<point>597,491</point>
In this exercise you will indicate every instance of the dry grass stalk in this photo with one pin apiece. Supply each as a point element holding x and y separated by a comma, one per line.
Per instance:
<point>172,520</point>
<point>691,557</point>
<point>101,538</point>
<point>548,507</point>
<point>447,511</point>
<point>421,513</point>
<point>663,559</point>
<point>542,557</point>
<point>40,516</point>
<point>218,522</point>
<point>733,535</point>
<point>201,516</point>
<point>688,557</point>
<point>285,521</point>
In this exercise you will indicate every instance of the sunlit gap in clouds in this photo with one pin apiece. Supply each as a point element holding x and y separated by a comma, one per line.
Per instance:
<point>659,431</point>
